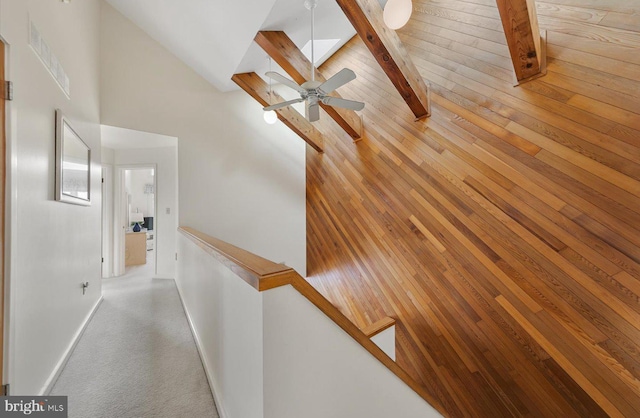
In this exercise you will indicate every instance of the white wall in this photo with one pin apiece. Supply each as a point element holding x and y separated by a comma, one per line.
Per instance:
<point>107,219</point>
<point>55,246</point>
<point>386,340</point>
<point>165,224</point>
<point>309,359</point>
<point>240,179</point>
<point>273,354</point>
<point>108,156</point>
<point>226,316</point>
<point>140,201</point>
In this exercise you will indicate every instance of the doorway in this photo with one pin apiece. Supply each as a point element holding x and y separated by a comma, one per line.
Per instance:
<point>127,149</point>
<point>136,218</point>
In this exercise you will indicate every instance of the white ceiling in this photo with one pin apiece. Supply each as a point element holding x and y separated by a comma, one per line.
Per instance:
<point>121,138</point>
<point>215,37</point>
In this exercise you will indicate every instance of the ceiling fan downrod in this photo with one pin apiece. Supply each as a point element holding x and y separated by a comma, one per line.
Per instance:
<point>315,92</point>
<point>311,5</point>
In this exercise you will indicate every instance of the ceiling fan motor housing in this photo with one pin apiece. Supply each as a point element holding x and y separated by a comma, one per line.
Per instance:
<point>314,92</point>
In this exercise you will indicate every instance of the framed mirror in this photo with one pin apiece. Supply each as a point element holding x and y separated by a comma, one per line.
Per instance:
<point>73,164</point>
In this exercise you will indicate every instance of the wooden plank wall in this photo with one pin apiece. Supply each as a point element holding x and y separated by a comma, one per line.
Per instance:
<point>503,233</point>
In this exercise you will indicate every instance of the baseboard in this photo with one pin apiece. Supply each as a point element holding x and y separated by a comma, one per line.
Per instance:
<point>51,381</point>
<point>212,383</point>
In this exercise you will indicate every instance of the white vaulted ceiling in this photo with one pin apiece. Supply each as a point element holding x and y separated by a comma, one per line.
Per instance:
<point>215,37</point>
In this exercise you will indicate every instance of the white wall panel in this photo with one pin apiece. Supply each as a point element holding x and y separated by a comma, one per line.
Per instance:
<point>56,246</point>
<point>241,180</point>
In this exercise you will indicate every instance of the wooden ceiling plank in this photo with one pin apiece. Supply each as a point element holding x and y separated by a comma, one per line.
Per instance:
<point>520,24</point>
<point>389,51</point>
<point>259,90</point>
<point>283,51</point>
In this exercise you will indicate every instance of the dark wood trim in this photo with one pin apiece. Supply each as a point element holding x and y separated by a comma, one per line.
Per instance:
<point>379,326</point>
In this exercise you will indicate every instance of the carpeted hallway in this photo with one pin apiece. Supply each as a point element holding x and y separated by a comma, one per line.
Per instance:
<point>137,357</point>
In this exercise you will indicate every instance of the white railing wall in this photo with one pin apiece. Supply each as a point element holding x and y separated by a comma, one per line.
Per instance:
<point>386,340</point>
<point>226,316</point>
<point>275,354</point>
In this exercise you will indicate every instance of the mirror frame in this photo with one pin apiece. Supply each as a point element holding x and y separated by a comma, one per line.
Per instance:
<point>61,139</point>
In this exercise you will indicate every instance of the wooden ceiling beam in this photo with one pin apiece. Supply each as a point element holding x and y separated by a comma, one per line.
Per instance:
<point>388,50</point>
<point>284,52</point>
<point>259,90</point>
<point>520,24</point>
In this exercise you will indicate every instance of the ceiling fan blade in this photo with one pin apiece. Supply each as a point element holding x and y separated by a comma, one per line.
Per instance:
<point>283,104</point>
<point>338,102</point>
<point>313,112</point>
<point>284,80</point>
<point>341,78</point>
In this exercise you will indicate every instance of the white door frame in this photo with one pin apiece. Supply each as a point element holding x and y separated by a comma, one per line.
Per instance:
<point>120,216</point>
<point>107,221</point>
<point>11,227</point>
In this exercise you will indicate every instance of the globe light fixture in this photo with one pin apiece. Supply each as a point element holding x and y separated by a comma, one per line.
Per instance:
<point>396,13</point>
<point>270,117</point>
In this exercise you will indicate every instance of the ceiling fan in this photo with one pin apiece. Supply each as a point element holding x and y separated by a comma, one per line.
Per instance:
<point>316,92</point>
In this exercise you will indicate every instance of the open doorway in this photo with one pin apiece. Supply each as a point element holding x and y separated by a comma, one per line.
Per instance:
<point>141,188</point>
<point>140,211</point>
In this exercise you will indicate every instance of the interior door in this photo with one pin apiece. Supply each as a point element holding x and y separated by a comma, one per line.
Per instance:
<point>3,179</point>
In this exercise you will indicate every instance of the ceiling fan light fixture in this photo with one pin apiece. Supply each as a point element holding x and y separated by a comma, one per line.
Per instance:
<point>312,91</point>
<point>270,116</point>
<point>397,13</point>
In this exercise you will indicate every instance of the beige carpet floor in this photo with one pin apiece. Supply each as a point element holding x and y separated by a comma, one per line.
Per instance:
<point>137,357</point>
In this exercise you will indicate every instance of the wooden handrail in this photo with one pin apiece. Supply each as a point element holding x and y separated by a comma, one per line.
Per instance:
<point>259,272</point>
<point>379,326</point>
<point>263,275</point>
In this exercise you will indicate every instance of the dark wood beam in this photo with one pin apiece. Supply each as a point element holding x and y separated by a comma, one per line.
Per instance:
<point>259,90</point>
<point>520,24</point>
<point>388,50</point>
<point>283,51</point>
